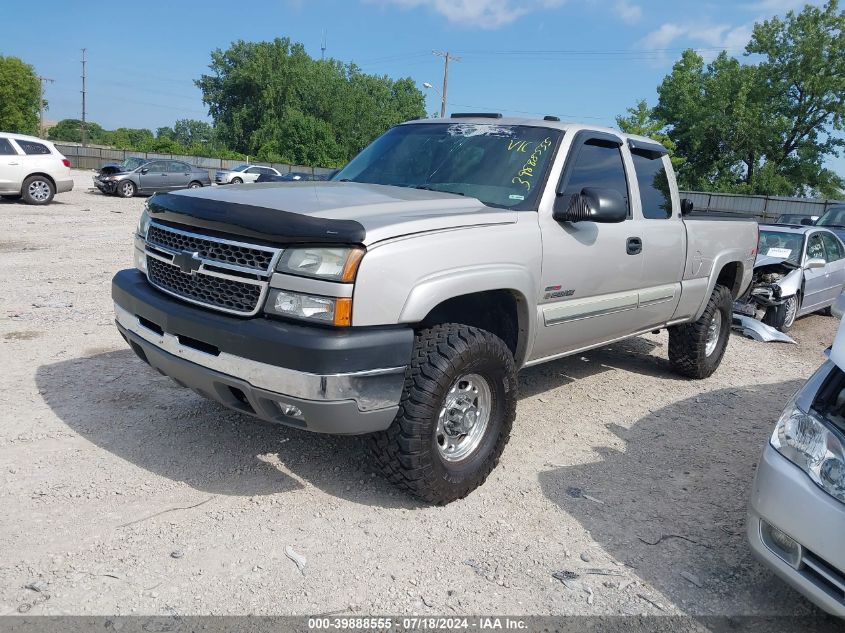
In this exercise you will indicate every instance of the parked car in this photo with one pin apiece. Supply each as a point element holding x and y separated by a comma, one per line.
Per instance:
<point>797,219</point>
<point>32,169</point>
<point>295,176</point>
<point>796,514</point>
<point>399,299</point>
<point>128,164</point>
<point>834,219</point>
<point>243,173</point>
<point>799,270</point>
<point>152,176</point>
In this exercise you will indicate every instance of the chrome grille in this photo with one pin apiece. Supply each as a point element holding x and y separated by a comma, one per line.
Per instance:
<point>216,292</point>
<point>213,272</point>
<point>217,250</point>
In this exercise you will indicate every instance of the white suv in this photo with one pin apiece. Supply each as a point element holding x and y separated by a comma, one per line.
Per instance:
<point>32,169</point>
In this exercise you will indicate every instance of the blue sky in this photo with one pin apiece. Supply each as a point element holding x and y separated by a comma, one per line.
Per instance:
<point>579,59</point>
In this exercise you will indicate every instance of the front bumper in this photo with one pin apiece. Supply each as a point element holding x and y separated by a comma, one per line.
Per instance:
<point>107,186</point>
<point>785,497</point>
<point>318,379</point>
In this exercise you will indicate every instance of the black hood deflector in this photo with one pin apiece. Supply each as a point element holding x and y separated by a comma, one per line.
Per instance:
<point>267,225</point>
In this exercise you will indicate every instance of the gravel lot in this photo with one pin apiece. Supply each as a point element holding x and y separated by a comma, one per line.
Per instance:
<point>127,494</point>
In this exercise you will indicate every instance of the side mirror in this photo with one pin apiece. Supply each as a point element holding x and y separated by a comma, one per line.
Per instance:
<point>686,206</point>
<point>592,205</point>
<point>815,262</point>
<point>144,171</point>
<point>807,222</point>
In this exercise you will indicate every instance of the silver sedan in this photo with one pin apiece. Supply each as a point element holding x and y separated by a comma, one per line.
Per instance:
<point>153,176</point>
<point>799,270</point>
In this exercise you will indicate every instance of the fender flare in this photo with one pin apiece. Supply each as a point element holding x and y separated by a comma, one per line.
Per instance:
<point>431,291</point>
<point>721,260</point>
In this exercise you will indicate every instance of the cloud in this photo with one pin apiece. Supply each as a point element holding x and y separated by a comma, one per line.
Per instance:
<point>715,38</point>
<point>628,11</point>
<point>487,14</point>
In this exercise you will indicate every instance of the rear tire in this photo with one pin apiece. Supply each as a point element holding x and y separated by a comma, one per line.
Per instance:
<point>459,377</point>
<point>125,189</point>
<point>196,184</point>
<point>696,349</point>
<point>782,317</point>
<point>38,190</point>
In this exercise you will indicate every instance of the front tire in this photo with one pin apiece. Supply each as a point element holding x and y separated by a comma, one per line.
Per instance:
<point>782,317</point>
<point>237,181</point>
<point>696,349</point>
<point>38,190</point>
<point>125,189</point>
<point>455,415</point>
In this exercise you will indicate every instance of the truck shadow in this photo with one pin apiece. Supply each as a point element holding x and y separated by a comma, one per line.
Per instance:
<point>125,407</point>
<point>674,500</point>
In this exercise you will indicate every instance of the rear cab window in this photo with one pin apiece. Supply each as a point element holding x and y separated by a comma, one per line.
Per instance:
<point>31,148</point>
<point>655,193</point>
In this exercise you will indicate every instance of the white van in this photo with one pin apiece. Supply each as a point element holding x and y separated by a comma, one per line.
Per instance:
<point>32,168</point>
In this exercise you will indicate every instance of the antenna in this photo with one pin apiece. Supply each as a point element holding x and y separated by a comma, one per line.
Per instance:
<point>323,45</point>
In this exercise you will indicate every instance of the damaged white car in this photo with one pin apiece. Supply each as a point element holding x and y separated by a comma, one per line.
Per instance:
<point>799,270</point>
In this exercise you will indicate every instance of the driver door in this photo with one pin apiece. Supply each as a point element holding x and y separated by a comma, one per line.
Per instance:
<point>591,271</point>
<point>153,176</point>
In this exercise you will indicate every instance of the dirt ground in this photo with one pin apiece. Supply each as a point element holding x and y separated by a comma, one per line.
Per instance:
<point>126,494</point>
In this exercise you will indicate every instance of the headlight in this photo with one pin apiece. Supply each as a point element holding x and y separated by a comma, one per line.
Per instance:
<point>328,310</point>
<point>330,264</point>
<point>808,443</point>
<point>144,221</point>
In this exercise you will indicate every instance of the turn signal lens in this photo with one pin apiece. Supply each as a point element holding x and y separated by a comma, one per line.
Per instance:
<point>343,312</point>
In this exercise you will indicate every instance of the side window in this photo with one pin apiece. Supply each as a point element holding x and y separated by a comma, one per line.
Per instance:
<point>253,170</point>
<point>157,167</point>
<point>655,196</point>
<point>6,148</point>
<point>31,147</point>
<point>815,247</point>
<point>177,168</point>
<point>598,164</point>
<point>832,247</point>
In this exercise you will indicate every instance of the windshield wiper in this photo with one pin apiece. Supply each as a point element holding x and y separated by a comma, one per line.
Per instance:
<point>427,188</point>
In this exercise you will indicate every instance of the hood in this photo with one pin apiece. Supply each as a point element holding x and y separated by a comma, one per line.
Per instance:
<point>768,260</point>
<point>323,211</point>
<point>112,168</point>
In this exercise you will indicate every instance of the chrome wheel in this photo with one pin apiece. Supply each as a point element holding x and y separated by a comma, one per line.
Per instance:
<point>39,190</point>
<point>464,417</point>
<point>713,332</point>
<point>127,189</point>
<point>791,310</point>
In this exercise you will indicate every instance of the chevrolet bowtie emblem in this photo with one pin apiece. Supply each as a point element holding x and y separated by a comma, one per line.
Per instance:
<point>188,262</point>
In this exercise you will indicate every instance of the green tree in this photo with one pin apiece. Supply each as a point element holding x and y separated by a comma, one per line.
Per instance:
<point>19,96</point>
<point>70,130</point>
<point>764,127</point>
<point>272,99</point>
<point>129,138</point>
<point>642,121</point>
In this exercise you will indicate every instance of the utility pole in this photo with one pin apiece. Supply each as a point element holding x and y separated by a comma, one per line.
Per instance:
<point>447,57</point>
<point>83,129</point>
<point>41,81</point>
<point>323,45</point>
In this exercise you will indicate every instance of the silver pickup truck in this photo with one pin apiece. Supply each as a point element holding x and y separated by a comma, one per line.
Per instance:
<point>400,299</point>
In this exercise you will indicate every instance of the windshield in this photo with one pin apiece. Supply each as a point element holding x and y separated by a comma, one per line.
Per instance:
<point>240,168</point>
<point>500,165</point>
<point>834,217</point>
<point>784,245</point>
<point>133,162</point>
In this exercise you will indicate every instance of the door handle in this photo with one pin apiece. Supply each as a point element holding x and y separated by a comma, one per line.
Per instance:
<point>634,246</point>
